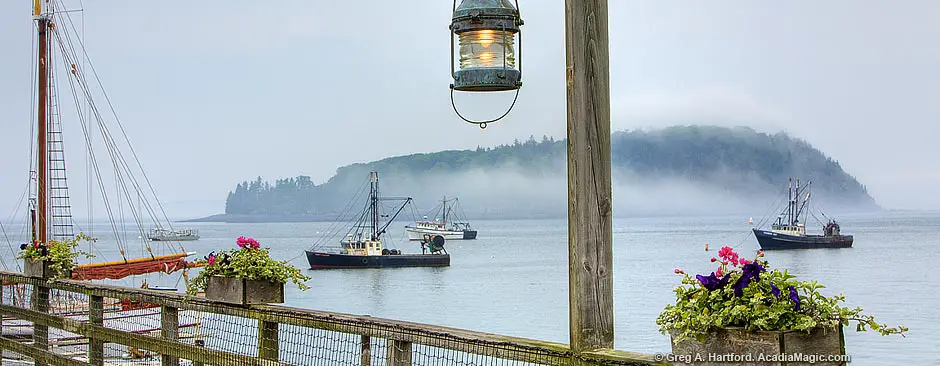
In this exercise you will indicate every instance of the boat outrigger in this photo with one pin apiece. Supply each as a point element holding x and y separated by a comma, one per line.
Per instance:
<point>789,231</point>
<point>362,245</point>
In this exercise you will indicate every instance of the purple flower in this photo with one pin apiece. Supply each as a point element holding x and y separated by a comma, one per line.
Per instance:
<point>740,285</point>
<point>23,246</point>
<point>774,290</point>
<point>750,271</point>
<point>795,297</point>
<point>711,282</point>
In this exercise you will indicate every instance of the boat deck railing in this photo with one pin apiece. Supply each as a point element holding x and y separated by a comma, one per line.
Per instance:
<point>172,328</point>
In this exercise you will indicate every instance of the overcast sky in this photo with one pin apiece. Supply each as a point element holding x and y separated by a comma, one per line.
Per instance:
<point>215,92</point>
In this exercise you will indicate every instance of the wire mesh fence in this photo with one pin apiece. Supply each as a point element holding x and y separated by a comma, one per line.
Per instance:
<point>83,323</point>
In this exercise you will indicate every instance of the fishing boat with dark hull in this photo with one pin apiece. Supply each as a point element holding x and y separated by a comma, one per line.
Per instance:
<point>320,260</point>
<point>362,246</point>
<point>789,232</point>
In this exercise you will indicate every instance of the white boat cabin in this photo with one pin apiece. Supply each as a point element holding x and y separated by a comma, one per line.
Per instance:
<point>355,245</point>
<point>794,230</point>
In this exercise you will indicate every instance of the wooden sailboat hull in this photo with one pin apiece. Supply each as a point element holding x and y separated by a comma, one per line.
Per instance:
<point>322,260</point>
<point>769,240</point>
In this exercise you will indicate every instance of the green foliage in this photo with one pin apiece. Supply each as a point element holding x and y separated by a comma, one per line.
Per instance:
<point>722,156</point>
<point>249,262</point>
<point>61,255</point>
<point>771,301</point>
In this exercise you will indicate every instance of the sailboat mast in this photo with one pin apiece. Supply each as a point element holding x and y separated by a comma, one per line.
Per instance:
<point>41,155</point>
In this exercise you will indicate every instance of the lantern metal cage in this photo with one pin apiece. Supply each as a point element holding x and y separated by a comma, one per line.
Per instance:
<point>486,30</point>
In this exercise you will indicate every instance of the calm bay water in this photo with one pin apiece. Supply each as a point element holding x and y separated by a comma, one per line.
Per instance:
<point>513,279</point>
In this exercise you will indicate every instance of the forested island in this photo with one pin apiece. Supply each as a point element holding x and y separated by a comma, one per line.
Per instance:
<point>677,170</point>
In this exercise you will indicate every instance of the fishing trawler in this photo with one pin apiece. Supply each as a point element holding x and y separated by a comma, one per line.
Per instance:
<point>458,230</point>
<point>362,246</point>
<point>789,231</point>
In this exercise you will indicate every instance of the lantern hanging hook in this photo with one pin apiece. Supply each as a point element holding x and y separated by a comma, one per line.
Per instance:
<point>482,124</point>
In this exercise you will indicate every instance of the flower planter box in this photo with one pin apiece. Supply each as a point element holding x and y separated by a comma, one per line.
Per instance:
<point>244,292</point>
<point>40,269</point>
<point>736,346</point>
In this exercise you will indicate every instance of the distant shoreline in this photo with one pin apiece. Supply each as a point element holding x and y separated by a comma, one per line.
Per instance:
<point>329,218</point>
<point>245,219</point>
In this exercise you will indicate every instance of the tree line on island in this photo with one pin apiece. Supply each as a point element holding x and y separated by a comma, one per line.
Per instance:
<point>738,160</point>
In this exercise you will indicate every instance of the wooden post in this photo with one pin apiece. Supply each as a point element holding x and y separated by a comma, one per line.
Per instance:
<point>40,303</point>
<point>268,347</point>
<point>399,353</point>
<point>590,234</point>
<point>96,317</point>
<point>366,352</point>
<point>170,326</point>
<point>1,316</point>
<point>199,343</point>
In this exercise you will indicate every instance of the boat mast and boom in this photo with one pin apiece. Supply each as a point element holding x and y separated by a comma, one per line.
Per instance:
<point>374,199</point>
<point>39,214</point>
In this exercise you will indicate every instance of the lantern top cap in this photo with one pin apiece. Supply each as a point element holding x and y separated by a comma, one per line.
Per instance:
<point>485,8</point>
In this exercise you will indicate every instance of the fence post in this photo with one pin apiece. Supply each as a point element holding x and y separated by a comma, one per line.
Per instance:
<point>1,317</point>
<point>399,353</point>
<point>169,324</point>
<point>590,234</point>
<point>199,343</point>
<point>366,352</point>
<point>40,303</point>
<point>95,317</point>
<point>268,347</point>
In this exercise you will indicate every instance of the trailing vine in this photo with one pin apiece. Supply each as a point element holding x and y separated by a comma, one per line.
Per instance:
<point>743,293</point>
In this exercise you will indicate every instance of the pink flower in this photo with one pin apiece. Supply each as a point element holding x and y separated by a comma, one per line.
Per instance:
<point>679,271</point>
<point>211,259</point>
<point>714,259</point>
<point>760,253</point>
<point>719,272</point>
<point>745,261</point>
<point>725,251</point>
<point>247,243</point>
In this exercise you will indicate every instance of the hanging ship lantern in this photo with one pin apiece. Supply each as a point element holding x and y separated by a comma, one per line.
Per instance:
<point>487,52</point>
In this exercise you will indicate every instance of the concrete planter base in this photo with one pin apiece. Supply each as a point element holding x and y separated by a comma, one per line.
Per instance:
<point>736,346</point>
<point>244,292</point>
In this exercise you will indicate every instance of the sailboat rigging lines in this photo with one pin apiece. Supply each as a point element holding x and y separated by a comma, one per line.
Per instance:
<point>49,203</point>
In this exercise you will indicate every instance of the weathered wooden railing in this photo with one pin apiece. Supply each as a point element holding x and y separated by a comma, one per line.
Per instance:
<point>68,322</point>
